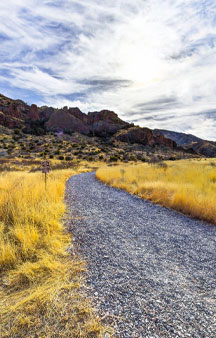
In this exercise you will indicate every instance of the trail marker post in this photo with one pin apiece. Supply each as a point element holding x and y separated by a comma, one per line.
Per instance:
<point>45,170</point>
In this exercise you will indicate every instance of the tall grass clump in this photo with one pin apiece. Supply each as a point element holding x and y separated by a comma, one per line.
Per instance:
<point>188,186</point>
<point>40,283</point>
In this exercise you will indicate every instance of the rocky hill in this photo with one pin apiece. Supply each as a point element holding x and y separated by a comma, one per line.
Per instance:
<point>105,124</point>
<point>190,142</point>
<point>181,139</point>
<point>40,120</point>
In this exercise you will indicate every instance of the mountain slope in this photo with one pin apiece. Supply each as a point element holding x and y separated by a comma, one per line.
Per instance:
<point>188,141</point>
<point>103,124</point>
<point>181,139</point>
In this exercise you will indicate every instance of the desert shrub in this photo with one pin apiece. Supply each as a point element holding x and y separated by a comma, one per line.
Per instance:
<point>16,131</point>
<point>139,157</point>
<point>162,165</point>
<point>153,160</point>
<point>172,158</point>
<point>113,158</point>
<point>132,158</point>
<point>15,138</point>
<point>61,157</point>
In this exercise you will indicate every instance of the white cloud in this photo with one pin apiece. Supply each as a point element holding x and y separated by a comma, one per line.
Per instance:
<point>164,49</point>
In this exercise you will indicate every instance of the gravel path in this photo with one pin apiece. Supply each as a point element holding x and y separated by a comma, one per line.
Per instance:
<point>151,270</point>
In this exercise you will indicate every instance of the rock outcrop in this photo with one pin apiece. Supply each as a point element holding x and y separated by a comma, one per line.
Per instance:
<point>105,123</point>
<point>68,120</point>
<point>145,136</point>
<point>33,113</point>
<point>189,143</point>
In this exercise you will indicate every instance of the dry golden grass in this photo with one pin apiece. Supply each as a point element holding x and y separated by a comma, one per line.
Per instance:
<point>188,186</point>
<point>41,286</point>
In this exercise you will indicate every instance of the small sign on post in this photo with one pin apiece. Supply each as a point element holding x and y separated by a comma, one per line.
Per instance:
<point>45,170</point>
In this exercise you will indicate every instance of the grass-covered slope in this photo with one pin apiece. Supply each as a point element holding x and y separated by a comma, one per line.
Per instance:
<point>187,186</point>
<point>40,283</point>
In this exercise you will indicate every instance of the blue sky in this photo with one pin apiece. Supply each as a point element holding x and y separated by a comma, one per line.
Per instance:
<point>151,61</point>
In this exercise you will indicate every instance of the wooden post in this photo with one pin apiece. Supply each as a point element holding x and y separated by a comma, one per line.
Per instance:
<point>45,170</point>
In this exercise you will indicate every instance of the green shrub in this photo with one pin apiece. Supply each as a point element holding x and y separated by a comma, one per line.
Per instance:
<point>113,158</point>
<point>16,131</point>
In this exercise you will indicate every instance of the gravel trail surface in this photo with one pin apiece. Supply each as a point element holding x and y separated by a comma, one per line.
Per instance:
<point>151,270</point>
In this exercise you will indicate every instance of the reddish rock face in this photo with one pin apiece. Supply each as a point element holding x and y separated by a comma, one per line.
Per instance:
<point>33,113</point>
<point>76,112</point>
<point>63,119</point>
<point>45,113</point>
<point>136,135</point>
<point>161,140</point>
<point>101,123</point>
<point>105,123</point>
<point>144,136</point>
<point>10,121</point>
<point>17,114</point>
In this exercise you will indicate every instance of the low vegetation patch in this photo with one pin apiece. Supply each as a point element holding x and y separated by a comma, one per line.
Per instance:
<point>188,186</point>
<point>41,284</point>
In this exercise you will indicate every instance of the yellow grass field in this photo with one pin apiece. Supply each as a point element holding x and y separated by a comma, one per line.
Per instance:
<point>188,186</point>
<point>40,283</point>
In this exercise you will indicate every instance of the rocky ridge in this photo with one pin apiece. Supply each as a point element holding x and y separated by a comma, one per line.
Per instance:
<point>190,142</point>
<point>105,123</point>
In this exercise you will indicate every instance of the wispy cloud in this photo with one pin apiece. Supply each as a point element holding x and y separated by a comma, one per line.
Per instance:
<point>152,61</point>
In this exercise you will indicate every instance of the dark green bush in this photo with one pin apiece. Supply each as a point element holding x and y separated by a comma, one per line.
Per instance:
<point>113,158</point>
